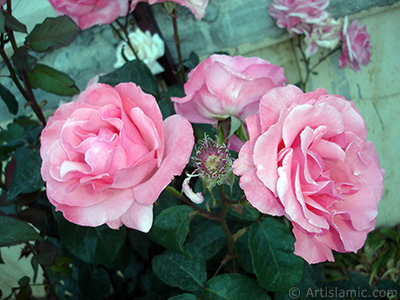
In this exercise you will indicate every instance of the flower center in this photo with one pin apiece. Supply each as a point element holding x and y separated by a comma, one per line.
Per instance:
<point>213,162</point>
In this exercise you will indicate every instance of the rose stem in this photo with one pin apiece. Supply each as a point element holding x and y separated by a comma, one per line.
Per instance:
<point>27,92</point>
<point>178,45</point>
<point>224,225</point>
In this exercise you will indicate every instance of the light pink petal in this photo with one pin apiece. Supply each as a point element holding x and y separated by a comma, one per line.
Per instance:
<point>179,142</point>
<point>108,209</point>
<point>310,248</point>
<point>138,217</point>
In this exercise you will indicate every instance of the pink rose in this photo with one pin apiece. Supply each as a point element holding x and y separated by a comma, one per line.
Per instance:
<point>197,7</point>
<point>223,86</point>
<point>308,159</point>
<point>355,46</point>
<point>108,156</point>
<point>294,15</point>
<point>87,13</point>
<point>326,35</point>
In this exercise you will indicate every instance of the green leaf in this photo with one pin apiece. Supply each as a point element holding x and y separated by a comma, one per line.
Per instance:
<point>13,23</point>
<point>2,28</point>
<point>26,177</point>
<point>133,71</point>
<point>22,60</point>
<point>185,296</point>
<point>187,273</point>
<point>207,237</point>
<point>1,259</point>
<point>192,62</point>
<point>243,252</point>
<point>271,248</point>
<point>171,226</point>
<point>14,232</point>
<point>53,33</point>
<point>9,99</point>
<point>235,287</point>
<point>96,245</point>
<point>52,81</point>
<point>93,282</point>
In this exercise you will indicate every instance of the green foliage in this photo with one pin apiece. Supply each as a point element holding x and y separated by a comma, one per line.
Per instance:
<point>133,71</point>
<point>52,81</point>
<point>187,272</point>
<point>26,177</point>
<point>14,232</point>
<point>235,287</point>
<point>271,248</point>
<point>185,296</point>
<point>171,226</point>
<point>7,20</point>
<point>96,245</point>
<point>53,33</point>
<point>9,99</point>
<point>23,60</point>
<point>94,282</point>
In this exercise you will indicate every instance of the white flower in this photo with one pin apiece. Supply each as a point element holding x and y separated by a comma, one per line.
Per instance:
<point>148,47</point>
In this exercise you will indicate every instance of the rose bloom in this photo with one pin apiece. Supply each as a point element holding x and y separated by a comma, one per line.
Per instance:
<point>87,13</point>
<point>294,15</point>
<point>223,86</point>
<point>355,46</point>
<point>325,35</point>
<point>148,47</point>
<point>308,159</point>
<point>197,7</point>
<point>108,156</point>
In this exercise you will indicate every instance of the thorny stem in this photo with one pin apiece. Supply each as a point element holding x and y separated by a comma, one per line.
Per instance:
<point>309,69</point>
<point>178,46</point>
<point>225,228</point>
<point>27,92</point>
<point>307,65</point>
<point>126,39</point>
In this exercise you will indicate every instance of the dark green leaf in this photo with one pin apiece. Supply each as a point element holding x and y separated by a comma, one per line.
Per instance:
<point>171,226</point>
<point>22,60</point>
<point>235,287</point>
<point>94,282</point>
<point>13,23</point>
<point>2,22</point>
<point>139,241</point>
<point>1,259</point>
<point>243,252</point>
<point>271,248</point>
<point>96,245</point>
<point>27,177</point>
<point>185,296</point>
<point>133,71</point>
<point>207,236</point>
<point>53,33</point>
<point>192,62</point>
<point>14,232</point>
<point>187,273</point>
<point>32,215</point>
<point>52,81</point>
<point>9,99</point>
